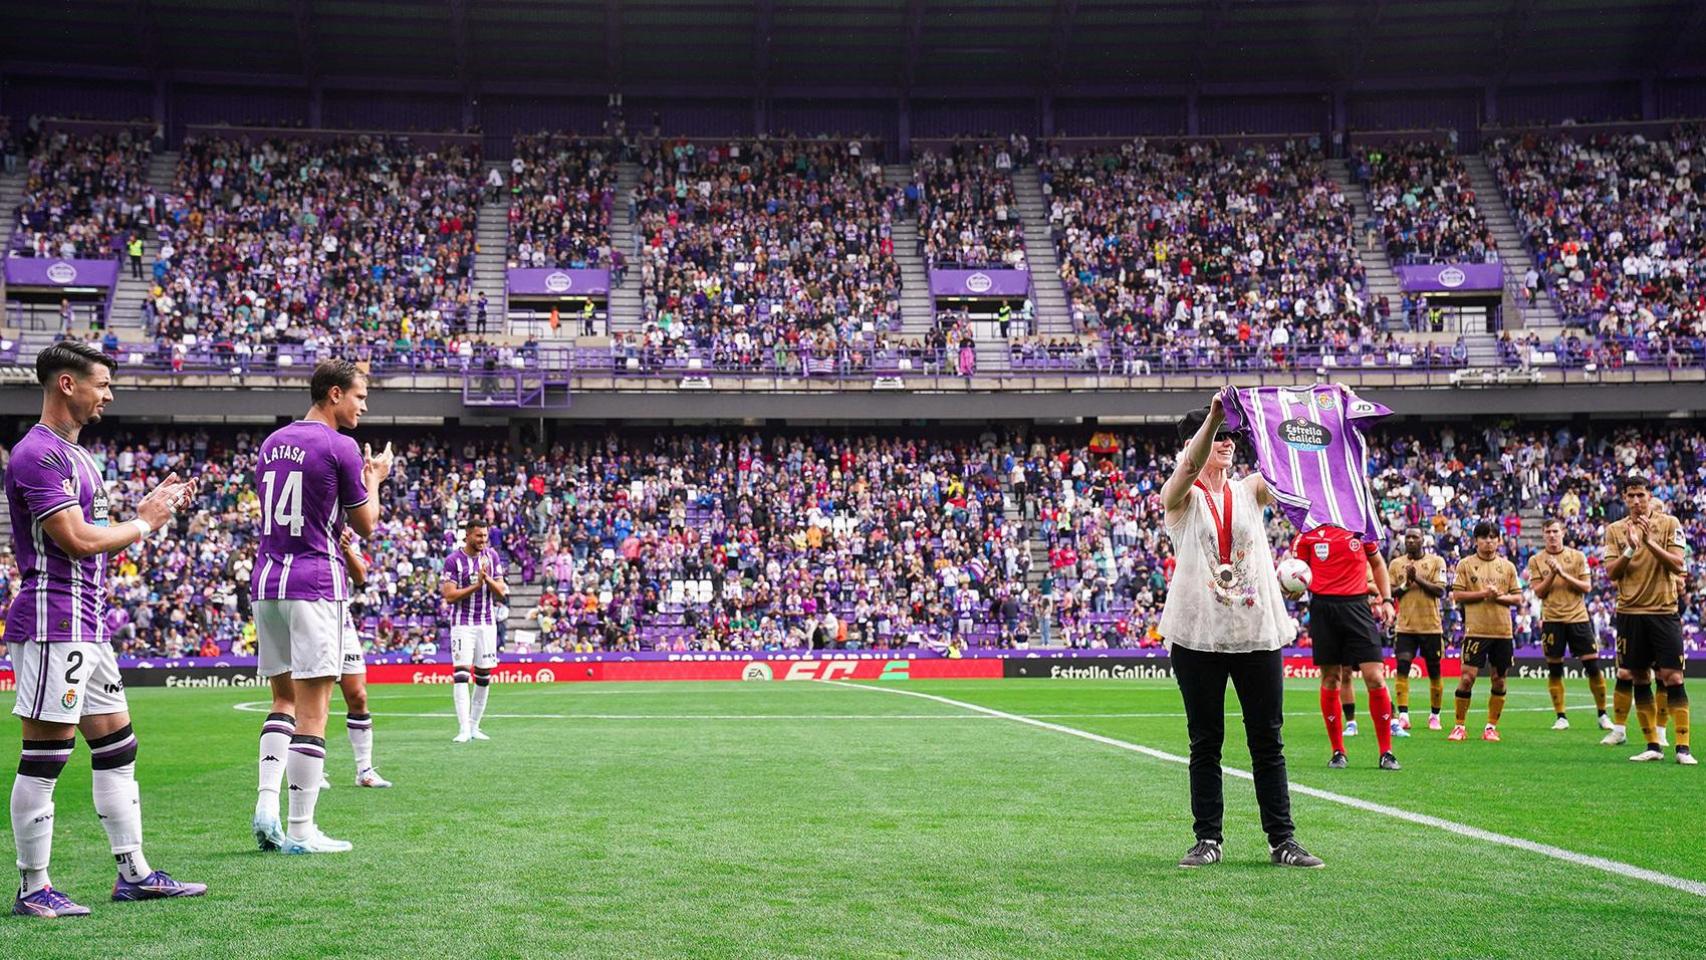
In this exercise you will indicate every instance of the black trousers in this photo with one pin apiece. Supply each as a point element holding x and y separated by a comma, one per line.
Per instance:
<point>1258,678</point>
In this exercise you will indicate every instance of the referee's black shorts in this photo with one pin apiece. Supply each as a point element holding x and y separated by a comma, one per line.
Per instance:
<point>1342,631</point>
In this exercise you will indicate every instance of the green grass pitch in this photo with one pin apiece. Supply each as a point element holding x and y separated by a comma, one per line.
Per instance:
<point>811,820</point>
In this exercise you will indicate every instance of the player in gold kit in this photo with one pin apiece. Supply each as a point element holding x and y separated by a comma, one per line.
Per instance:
<point>1418,581</point>
<point>1644,554</point>
<point>1560,578</point>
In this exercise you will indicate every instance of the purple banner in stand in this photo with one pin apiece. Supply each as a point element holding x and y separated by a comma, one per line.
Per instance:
<point>42,272</point>
<point>551,282</point>
<point>1451,277</point>
<point>980,283</point>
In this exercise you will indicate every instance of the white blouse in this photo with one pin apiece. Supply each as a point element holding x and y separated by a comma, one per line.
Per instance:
<point>1251,614</point>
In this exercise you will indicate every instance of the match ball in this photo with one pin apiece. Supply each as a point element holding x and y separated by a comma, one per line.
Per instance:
<point>1294,575</point>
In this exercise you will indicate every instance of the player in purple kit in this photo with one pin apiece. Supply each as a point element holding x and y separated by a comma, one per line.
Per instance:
<point>472,585</point>
<point>67,677</point>
<point>309,477</point>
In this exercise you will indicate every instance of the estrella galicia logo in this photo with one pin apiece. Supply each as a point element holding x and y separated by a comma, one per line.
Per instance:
<point>1301,434</point>
<point>62,272</point>
<point>1452,278</point>
<point>757,671</point>
<point>979,282</point>
<point>559,282</point>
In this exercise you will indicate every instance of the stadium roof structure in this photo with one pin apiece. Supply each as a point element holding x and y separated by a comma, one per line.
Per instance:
<point>862,47</point>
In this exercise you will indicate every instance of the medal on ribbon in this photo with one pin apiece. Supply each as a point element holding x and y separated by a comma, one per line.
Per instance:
<point>1225,578</point>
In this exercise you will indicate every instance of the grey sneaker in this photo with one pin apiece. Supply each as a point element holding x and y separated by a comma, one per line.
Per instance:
<point>1389,762</point>
<point>1202,854</point>
<point>1291,854</point>
<point>1339,761</point>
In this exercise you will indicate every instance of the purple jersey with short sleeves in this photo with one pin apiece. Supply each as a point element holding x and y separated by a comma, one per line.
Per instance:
<point>1310,449</point>
<point>478,609</point>
<point>60,600</point>
<point>307,475</point>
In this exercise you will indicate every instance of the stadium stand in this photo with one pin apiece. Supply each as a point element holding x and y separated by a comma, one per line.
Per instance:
<point>1613,222</point>
<point>711,540</point>
<point>764,255</point>
<point>562,190</point>
<point>363,241</point>
<point>1424,206</point>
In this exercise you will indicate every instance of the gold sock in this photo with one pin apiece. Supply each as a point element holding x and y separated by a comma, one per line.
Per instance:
<point>1403,692</point>
<point>1596,684</point>
<point>1646,713</point>
<point>1436,692</point>
<point>1555,686</point>
<point>1661,706</point>
<point>1462,706</point>
<point>1495,707</point>
<point>1620,701</point>
<point>1679,716</point>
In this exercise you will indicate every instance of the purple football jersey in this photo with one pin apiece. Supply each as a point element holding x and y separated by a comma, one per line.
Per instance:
<point>478,609</point>
<point>60,600</point>
<point>1311,451</point>
<point>307,475</point>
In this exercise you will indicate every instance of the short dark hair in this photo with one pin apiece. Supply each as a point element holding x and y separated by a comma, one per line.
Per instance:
<point>333,373</point>
<point>1415,530</point>
<point>1632,481</point>
<point>1552,522</point>
<point>1486,528</point>
<point>1190,423</point>
<point>73,355</point>
<point>475,522</point>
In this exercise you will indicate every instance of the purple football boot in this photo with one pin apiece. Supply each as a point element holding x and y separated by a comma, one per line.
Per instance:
<point>47,903</point>
<point>156,886</point>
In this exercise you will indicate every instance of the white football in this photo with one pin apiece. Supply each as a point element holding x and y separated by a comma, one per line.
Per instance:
<point>1294,575</point>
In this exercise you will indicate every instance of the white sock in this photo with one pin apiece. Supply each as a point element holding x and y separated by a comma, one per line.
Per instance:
<point>360,726</point>
<point>459,694</point>
<point>306,765</point>
<point>275,744</point>
<point>478,708</point>
<point>118,803</point>
<point>32,829</point>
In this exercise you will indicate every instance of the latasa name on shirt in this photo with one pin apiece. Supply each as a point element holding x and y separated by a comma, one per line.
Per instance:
<point>285,451</point>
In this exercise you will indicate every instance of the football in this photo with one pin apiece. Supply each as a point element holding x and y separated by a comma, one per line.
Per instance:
<point>1294,575</point>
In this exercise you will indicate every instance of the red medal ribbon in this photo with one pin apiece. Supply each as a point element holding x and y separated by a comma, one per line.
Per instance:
<point>1222,527</point>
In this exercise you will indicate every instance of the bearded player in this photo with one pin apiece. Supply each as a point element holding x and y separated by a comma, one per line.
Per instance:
<point>56,634</point>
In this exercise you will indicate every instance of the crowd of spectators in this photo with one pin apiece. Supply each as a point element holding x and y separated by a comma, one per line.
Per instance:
<point>84,195</point>
<point>562,190</point>
<point>748,248</point>
<point>1424,206</point>
<point>1617,225</point>
<point>340,243</point>
<point>1196,243</point>
<point>743,541</point>
<point>968,211</point>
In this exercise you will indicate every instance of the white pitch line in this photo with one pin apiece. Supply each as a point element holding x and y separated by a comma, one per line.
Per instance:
<point>1616,867</point>
<point>260,706</point>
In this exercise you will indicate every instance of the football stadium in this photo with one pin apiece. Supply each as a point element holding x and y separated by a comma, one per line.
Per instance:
<point>853,478</point>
